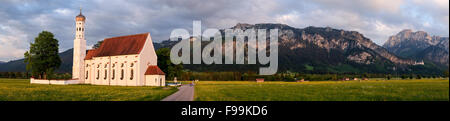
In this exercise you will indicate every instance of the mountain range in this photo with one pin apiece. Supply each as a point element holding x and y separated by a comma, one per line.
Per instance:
<point>322,50</point>
<point>328,50</point>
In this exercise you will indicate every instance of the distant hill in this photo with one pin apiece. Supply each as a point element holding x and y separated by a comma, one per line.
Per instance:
<point>420,46</point>
<point>20,66</point>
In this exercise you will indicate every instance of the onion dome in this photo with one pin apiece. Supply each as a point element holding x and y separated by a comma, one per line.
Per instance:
<point>80,17</point>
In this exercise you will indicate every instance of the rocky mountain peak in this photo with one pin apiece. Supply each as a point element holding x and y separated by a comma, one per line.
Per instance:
<point>245,26</point>
<point>419,45</point>
<point>408,36</point>
<point>242,26</point>
<point>406,31</point>
<point>444,43</point>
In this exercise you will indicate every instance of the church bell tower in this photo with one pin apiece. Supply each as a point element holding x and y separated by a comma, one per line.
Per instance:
<point>79,49</point>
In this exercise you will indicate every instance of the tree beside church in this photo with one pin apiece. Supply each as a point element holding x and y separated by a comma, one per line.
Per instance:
<point>42,59</point>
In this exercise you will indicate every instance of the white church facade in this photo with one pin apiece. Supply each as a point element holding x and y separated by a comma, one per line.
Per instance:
<point>127,61</point>
<point>123,61</point>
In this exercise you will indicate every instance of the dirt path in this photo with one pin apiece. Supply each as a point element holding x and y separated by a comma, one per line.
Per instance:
<point>185,93</point>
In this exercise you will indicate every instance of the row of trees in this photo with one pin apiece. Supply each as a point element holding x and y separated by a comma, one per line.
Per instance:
<point>289,76</point>
<point>18,75</point>
<point>26,75</point>
<point>248,76</point>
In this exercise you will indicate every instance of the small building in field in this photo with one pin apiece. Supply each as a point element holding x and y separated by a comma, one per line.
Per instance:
<point>260,80</point>
<point>301,80</point>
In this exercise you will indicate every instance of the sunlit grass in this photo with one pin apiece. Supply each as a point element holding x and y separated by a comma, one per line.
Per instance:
<point>392,90</point>
<point>22,90</point>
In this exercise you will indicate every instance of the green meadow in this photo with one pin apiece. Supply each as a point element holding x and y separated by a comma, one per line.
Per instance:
<point>22,90</point>
<point>372,90</point>
<point>382,90</point>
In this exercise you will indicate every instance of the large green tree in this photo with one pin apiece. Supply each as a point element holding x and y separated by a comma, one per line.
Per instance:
<point>166,65</point>
<point>42,58</point>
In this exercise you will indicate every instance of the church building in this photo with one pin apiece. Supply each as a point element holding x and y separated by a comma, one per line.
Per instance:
<point>125,60</point>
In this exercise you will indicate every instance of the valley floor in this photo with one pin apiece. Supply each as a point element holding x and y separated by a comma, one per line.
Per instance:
<point>22,90</point>
<point>392,90</point>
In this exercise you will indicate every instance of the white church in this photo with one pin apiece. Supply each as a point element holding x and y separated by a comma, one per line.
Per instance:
<point>123,61</point>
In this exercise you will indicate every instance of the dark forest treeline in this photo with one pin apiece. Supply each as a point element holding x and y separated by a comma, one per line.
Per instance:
<point>251,76</point>
<point>289,76</point>
<point>26,75</point>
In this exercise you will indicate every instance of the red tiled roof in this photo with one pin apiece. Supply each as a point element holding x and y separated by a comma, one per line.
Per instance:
<point>123,45</point>
<point>89,54</point>
<point>154,70</point>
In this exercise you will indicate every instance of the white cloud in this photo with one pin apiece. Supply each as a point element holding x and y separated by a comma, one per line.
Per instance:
<point>382,31</point>
<point>11,44</point>
<point>64,11</point>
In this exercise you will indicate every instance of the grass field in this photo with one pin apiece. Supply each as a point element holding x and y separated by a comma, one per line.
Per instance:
<point>393,90</point>
<point>22,90</point>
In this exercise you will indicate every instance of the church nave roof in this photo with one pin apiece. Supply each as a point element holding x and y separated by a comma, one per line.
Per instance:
<point>123,45</point>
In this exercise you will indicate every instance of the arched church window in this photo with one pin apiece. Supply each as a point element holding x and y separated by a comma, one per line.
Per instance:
<point>132,64</point>
<point>82,29</point>
<point>113,74</point>
<point>98,74</point>
<point>121,65</point>
<point>106,65</point>
<point>114,65</point>
<point>87,74</point>
<point>121,75</point>
<point>106,74</point>
<point>87,65</point>
<point>131,74</point>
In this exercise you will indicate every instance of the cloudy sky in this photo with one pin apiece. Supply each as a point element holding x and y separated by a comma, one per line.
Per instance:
<point>22,20</point>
